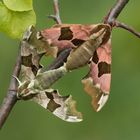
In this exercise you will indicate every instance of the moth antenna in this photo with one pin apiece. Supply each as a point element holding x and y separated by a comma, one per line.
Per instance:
<point>19,82</point>
<point>39,36</point>
<point>28,32</point>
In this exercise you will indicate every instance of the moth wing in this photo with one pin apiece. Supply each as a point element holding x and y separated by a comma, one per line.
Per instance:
<point>32,50</point>
<point>97,83</point>
<point>63,107</point>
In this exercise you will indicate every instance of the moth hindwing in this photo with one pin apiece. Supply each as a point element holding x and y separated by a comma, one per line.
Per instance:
<point>97,82</point>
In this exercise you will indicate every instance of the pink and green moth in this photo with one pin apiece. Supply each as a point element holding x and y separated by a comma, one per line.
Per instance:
<point>97,82</point>
<point>86,45</point>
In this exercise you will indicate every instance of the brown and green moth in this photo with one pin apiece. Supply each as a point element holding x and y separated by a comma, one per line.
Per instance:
<point>81,45</point>
<point>91,44</point>
<point>36,84</point>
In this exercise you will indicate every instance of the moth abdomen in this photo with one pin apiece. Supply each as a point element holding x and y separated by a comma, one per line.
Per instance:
<point>80,56</point>
<point>45,79</point>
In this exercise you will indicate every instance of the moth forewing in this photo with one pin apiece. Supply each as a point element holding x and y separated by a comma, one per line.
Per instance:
<point>97,83</point>
<point>71,35</point>
<point>36,40</point>
<point>32,50</point>
<point>63,107</point>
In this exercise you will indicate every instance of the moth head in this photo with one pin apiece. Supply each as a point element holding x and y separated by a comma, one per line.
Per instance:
<point>31,35</point>
<point>28,33</point>
<point>26,90</point>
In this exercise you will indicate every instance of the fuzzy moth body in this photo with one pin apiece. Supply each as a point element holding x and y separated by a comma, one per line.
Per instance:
<point>45,79</point>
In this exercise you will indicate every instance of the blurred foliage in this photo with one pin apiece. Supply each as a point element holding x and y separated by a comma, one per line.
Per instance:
<point>19,5</point>
<point>14,14</point>
<point>119,119</point>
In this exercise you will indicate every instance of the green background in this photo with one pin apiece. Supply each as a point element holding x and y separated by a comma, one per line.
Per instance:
<point>119,119</point>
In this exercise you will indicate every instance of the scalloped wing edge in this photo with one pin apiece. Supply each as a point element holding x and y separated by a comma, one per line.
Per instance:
<point>64,107</point>
<point>97,82</point>
<point>98,97</point>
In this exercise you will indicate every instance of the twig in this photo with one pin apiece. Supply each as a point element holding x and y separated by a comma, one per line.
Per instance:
<point>56,15</point>
<point>115,11</point>
<point>126,27</point>
<point>11,98</point>
<point>59,61</point>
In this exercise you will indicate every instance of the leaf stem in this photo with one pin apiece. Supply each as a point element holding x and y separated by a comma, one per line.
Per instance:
<point>115,11</point>
<point>56,15</point>
<point>126,27</point>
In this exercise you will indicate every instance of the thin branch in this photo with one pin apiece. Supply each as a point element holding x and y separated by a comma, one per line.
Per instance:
<point>56,15</point>
<point>126,27</point>
<point>11,98</point>
<point>59,61</point>
<point>115,11</point>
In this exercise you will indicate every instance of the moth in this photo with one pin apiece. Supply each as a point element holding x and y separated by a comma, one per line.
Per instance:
<point>35,84</point>
<point>81,45</point>
<point>90,44</point>
<point>98,80</point>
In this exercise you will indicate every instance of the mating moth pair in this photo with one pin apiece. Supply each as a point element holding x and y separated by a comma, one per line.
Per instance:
<point>74,46</point>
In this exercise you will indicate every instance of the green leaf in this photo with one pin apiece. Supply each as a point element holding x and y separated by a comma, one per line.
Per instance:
<point>15,23</point>
<point>19,5</point>
<point>4,15</point>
